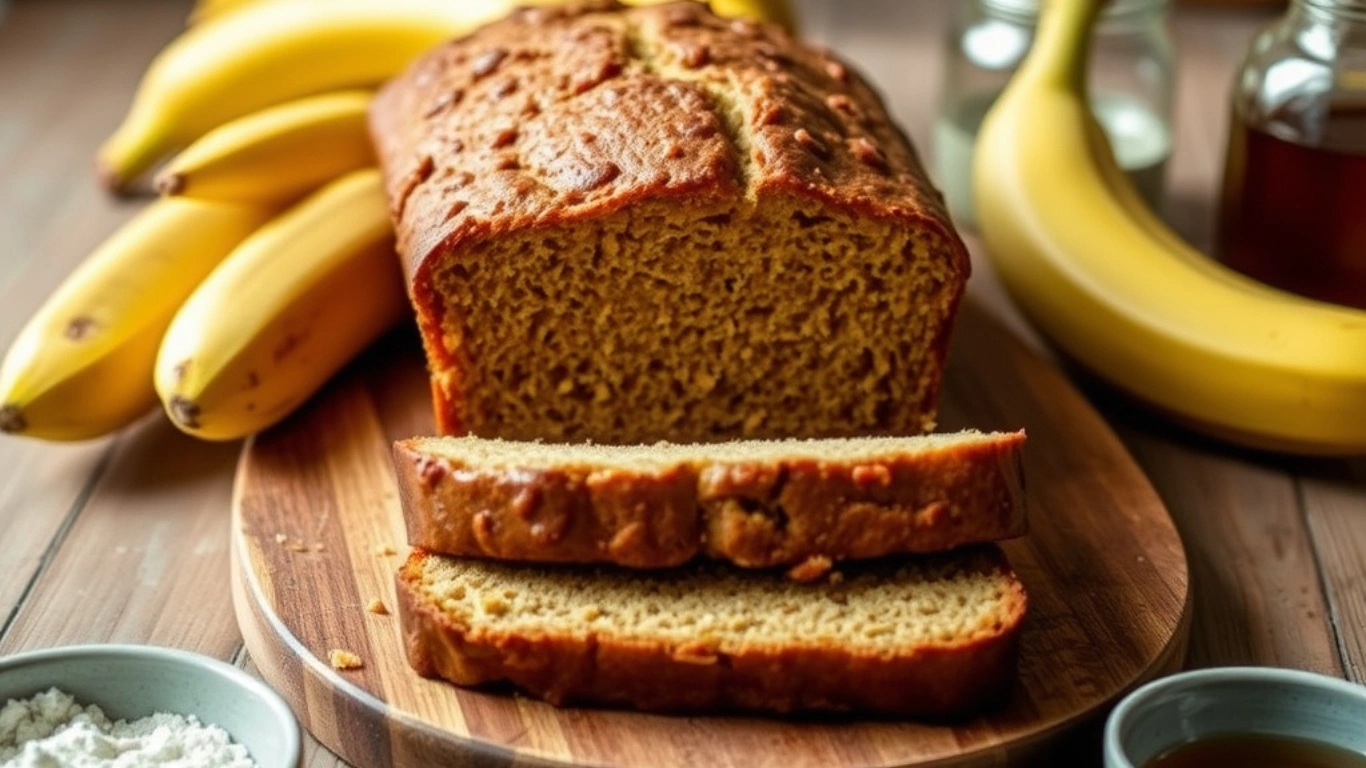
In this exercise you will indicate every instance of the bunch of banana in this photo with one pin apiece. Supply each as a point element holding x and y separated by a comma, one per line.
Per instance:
<point>1115,289</point>
<point>277,154</point>
<point>220,369</point>
<point>82,365</point>
<point>268,263</point>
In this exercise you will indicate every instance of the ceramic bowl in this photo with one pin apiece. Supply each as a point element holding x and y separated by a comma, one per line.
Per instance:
<point>1189,706</point>
<point>133,681</point>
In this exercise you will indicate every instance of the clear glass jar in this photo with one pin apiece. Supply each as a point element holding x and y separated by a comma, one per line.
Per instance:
<point>1293,212</point>
<point>1131,81</point>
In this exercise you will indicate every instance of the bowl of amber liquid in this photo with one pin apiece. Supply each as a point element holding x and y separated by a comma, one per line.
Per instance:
<point>1240,717</point>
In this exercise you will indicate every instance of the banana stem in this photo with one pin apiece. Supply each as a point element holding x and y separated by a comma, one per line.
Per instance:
<point>135,146</point>
<point>1063,43</point>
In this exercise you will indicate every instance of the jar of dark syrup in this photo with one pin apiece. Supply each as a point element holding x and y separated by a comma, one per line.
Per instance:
<point>1293,212</point>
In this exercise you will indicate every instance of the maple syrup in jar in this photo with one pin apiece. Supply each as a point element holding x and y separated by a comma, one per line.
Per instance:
<point>1293,211</point>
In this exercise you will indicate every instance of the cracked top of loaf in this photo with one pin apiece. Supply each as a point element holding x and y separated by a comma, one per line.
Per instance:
<point>627,224</point>
<point>560,114</point>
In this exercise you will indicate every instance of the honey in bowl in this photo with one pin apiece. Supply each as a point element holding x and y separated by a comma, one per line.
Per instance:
<point>1256,750</point>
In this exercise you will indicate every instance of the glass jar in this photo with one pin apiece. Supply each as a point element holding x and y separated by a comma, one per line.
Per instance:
<point>1131,78</point>
<point>1293,212</point>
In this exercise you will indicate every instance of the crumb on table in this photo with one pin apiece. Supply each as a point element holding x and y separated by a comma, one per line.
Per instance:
<point>810,569</point>
<point>377,605</point>
<point>343,659</point>
<point>385,550</point>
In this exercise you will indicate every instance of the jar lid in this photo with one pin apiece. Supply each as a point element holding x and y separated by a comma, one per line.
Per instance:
<point>1351,9</point>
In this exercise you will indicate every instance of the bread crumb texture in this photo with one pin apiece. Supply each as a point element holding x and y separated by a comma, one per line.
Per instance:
<point>655,223</point>
<point>473,452</point>
<point>880,608</point>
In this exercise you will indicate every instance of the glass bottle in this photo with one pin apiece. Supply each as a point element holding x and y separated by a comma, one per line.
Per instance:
<point>1131,80</point>
<point>1293,212</point>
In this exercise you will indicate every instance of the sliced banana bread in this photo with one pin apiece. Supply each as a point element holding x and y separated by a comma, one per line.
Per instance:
<point>624,225</point>
<point>929,636</point>
<point>802,503</point>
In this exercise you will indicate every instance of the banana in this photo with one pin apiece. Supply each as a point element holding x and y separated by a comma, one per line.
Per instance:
<point>81,367</point>
<point>287,309</point>
<point>275,155</point>
<point>208,10</point>
<point>778,11</point>
<point>260,53</point>
<point>1116,290</point>
<point>266,53</point>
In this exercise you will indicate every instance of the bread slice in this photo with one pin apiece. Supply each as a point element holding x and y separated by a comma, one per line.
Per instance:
<point>929,636</point>
<point>804,503</point>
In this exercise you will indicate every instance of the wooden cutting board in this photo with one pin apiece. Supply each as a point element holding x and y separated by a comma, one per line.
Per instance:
<point>317,535</point>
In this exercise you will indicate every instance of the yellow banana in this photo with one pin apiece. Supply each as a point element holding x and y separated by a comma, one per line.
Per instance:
<point>81,367</point>
<point>778,11</point>
<point>262,53</point>
<point>267,53</point>
<point>285,311</point>
<point>208,10</point>
<point>275,155</point>
<point>1120,293</point>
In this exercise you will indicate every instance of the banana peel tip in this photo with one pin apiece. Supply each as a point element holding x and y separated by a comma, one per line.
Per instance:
<point>184,412</point>
<point>110,179</point>
<point>170,184</point>
<point>12,419</point>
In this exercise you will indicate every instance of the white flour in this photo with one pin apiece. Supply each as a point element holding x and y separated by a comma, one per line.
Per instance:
<point>52,730</point>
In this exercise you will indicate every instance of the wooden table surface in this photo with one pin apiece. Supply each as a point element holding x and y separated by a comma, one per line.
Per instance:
<point>126,539</point>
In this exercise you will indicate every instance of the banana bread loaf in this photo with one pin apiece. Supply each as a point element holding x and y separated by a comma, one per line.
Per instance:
<point>801,503</point>
<point>632,224</point>
<point>933,635</point>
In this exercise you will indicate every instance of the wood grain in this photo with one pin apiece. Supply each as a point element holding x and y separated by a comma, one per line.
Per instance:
<point>316,505</point>
<point>145,558</point>
<point>55,104</point>
<point>1336,517</point>
<point>67,68</point>
<point>1252,560</point>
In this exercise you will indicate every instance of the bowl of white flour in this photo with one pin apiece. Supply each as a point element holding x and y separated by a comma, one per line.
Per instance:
<point>133,706</point>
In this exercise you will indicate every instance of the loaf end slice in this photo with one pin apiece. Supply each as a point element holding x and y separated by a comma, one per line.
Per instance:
<point>933,637</point>
<point>758,503</point>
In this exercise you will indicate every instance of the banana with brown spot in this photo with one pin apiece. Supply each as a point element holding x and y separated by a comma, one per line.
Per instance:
<point>283,313</point>
<point>81,367</point>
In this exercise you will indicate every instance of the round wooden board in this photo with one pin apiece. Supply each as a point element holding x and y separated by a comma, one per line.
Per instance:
<point>316,510</point>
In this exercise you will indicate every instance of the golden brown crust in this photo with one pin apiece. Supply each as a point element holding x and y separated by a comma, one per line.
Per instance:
<point>556,117</point>
<point>563,119</point>
<point>756,514</point>
<point>949,679</point>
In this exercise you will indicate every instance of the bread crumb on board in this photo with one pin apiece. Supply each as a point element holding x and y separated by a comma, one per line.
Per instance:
<point>811,569</point>
<point>341,659</point>
<point>377,606</point>
<point>385,550</point>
